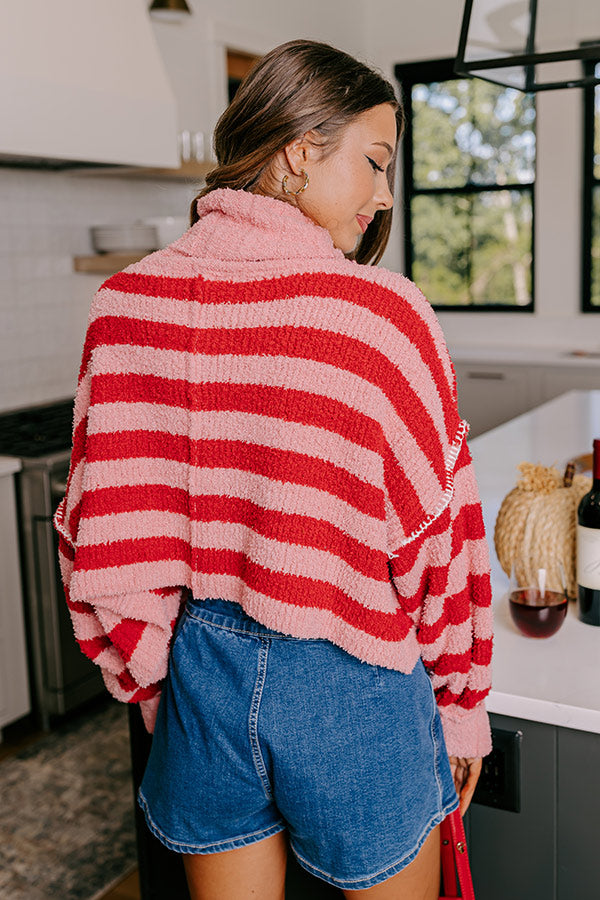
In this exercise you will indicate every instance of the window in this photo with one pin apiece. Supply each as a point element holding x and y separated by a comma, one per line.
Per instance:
<point>469,163</point>
<point>591,199</point>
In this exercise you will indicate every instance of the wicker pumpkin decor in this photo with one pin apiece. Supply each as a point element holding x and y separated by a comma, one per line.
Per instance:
<point>535,527</point>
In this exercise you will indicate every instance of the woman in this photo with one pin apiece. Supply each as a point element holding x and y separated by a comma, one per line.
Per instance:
<point>266,427</point>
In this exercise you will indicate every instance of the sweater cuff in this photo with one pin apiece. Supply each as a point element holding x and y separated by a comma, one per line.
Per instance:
<point>466,731</point>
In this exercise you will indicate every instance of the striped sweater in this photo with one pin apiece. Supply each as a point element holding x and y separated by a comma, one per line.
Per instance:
<point>262,420</point>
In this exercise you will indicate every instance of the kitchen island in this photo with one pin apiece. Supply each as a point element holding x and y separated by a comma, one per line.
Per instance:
<point>537,838</point>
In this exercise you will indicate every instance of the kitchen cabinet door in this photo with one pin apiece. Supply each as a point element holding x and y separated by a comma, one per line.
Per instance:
<point>489,395</point>
<point>14,682</point>
<point>578,778</point>
<point>557,380</point>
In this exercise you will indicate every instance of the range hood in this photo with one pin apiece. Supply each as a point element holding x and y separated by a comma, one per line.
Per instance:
<point>82,81</point>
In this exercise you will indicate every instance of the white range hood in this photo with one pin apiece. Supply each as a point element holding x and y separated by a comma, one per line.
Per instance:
<point>83,81</point>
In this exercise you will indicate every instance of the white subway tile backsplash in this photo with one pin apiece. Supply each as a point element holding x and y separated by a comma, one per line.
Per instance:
<point>45,221</point>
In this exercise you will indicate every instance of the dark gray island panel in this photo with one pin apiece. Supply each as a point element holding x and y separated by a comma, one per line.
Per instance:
<point>578,815</point>
<point>550,849</point>
<point>513,853</point>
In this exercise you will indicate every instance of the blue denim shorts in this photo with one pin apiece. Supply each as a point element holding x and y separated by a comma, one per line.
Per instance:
<point>259,732</point>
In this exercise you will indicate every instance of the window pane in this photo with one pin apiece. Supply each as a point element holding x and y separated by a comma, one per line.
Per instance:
<point>473,250</point>
<point>595,292</point>
<point>597,132</point>
<point>438,111</point>
<point>441,238</point>
<point>467,131</point>
<point>501,271</point>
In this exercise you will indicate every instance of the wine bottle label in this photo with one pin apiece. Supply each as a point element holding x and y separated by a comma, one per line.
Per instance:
<point>588,557</point>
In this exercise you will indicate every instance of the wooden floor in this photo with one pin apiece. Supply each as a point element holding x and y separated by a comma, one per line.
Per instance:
<point>128,889</point>
<point>18,736</point>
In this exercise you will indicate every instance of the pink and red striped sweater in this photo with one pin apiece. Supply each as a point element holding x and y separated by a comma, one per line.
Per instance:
<point>262,420</point>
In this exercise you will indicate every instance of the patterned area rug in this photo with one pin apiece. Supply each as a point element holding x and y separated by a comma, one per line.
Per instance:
<point>66,811</point>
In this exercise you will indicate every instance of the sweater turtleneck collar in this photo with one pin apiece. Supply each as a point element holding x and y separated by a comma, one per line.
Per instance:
<point>238,225</point>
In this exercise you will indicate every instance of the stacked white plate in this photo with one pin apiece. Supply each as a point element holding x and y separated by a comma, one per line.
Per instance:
<point>168,228</point>
<point>136,238</point>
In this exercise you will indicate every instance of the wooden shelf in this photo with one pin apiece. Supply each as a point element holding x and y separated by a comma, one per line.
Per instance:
<point>188,171</point>
<point>106,263</point>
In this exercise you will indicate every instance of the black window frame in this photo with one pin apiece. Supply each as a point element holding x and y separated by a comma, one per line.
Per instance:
<point>589,183</point>
<point>426,72</point>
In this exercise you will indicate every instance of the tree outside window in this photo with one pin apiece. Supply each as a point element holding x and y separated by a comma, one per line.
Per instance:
<point>469,165</point>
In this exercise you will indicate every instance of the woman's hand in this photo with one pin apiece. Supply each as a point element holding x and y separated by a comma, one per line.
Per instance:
<point>149,708</point>
<point>465,772</point>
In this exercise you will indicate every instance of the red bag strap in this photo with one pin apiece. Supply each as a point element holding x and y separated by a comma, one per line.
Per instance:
<point>455,859</point>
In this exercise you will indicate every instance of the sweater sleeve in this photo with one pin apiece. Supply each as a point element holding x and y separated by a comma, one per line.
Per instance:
<point>443,584</point>
<point>126,635</point>
<point>125,631</point>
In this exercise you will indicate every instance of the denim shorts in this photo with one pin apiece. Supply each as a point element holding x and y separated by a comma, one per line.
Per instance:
<point>259,732</point>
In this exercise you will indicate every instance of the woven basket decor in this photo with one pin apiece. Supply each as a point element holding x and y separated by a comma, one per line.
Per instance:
<point>535,527</point>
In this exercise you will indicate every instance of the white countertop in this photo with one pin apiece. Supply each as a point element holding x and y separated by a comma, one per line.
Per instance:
<point>554,680</point>
<point>9,465</point>
<point>497,354</point>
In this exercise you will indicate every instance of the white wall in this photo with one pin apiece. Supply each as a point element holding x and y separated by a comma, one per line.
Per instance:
<point>194,53</point>
<point>403,32</point>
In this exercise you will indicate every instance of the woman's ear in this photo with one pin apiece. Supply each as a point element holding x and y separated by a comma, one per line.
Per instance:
<point>303,150</point>
<point>296,154</point>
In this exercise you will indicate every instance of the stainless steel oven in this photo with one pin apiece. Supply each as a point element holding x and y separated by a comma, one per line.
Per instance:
<point>62,677</point>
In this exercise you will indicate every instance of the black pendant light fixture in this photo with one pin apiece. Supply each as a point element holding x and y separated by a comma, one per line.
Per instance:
<point>170,10</point>
<point>532,45</point>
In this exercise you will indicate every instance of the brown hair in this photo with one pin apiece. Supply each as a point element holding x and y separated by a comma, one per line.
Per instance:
<point>298,87</point>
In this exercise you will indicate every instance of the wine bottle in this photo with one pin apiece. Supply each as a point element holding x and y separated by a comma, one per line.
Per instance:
<point>588,548</point>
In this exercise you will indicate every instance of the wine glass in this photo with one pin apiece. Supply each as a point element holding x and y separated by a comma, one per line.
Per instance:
<point>536,611</point>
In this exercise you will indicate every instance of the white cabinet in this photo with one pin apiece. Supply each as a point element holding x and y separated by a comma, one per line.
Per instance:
<point>557,380</point>
<point>14,682</point>
<point>87,83</point>
<point>490,394</point>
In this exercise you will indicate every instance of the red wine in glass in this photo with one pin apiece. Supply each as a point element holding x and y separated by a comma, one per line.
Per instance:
<point>536,616</point>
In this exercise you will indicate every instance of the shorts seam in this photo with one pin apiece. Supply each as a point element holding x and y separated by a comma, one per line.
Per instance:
<point>177,846</point>
<point>436,750</point>
<point>257,757</point>
<point>382,874</point>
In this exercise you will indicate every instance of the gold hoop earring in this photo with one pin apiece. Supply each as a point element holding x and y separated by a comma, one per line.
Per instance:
<point>299,191</point>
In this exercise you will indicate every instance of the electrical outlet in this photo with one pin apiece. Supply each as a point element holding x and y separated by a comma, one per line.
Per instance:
<point>499,784</point>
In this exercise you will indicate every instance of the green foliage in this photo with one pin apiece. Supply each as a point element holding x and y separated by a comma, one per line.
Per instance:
<point>595,293</point>
<point>597,132</point>
<point>473,249</point>
<point>469,131</point>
